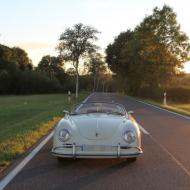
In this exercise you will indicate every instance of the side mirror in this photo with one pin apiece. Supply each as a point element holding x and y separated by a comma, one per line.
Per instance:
<point>131,112</point>
<point>65,111</point>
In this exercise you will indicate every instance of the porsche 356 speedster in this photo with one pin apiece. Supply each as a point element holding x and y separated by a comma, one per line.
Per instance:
<point>97,130</point>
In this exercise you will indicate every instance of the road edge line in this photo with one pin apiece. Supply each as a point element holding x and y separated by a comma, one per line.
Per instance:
<point>163,109</point>
<point>5,181</point>
<point>11,175</point>
<point>86,99</point>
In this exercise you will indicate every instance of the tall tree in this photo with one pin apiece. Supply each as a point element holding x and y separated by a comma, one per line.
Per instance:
<point>53,67</point>
<point>119,61</point>
<point>95,67</point>
<point>164,47</point>
<point>76,43</point>
<point>152,53</point>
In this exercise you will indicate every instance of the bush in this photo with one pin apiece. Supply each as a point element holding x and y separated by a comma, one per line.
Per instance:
<point>178,94</point>
<point>31,82</point>
<point>151,92</point>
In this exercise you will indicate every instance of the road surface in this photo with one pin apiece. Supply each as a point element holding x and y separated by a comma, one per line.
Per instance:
<point>164,165</point>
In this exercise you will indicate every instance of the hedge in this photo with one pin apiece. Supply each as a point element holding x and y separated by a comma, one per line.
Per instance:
<point>178,94</point>
<point>174,94</point>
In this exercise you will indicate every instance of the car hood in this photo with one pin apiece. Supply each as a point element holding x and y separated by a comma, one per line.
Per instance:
<point>97,126</point>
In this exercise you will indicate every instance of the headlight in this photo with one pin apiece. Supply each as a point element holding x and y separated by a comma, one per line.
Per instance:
<point>129,136</point>
<point>64,135</point>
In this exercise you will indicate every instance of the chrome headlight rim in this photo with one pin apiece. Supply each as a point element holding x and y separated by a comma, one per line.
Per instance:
<point>64,135</point>
<point>129,136</point>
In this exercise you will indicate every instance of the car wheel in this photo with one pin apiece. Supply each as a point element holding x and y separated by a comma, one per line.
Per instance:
<point>133,159</point>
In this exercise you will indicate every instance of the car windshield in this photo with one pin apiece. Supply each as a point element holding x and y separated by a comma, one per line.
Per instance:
<point>98,107</point>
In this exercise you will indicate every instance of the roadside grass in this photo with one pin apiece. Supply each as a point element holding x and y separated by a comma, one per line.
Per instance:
<point>181,108</point>
<point>25,119</point>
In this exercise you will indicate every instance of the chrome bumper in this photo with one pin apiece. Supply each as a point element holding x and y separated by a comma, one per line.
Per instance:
<point>86,154</point>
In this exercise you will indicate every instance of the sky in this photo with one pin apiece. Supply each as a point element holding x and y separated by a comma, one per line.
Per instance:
<point>35,25</point>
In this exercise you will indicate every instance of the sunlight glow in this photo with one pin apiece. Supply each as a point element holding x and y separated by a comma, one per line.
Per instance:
<point>187,67</point>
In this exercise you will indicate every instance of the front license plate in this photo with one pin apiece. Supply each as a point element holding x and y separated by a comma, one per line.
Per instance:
<point>96,148</point>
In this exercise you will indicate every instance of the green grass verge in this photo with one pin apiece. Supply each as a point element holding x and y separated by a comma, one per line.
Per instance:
<point>176,107</point>
<point>25,119</point>
<point>180,108</point>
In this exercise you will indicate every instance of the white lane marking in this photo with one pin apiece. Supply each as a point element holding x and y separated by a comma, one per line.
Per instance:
<point>160,145</point>
<point>178,114</point>
<point>4,182</point>
<point>165,150</point>
<point>84,101</point>
<point>172,156</point>
<point>10,176</point>
<point>143,130</point>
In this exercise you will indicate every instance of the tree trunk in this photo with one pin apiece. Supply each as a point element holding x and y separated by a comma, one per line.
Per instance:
<point>77,84</point>
<point>94,88</point>
<point>97,85</point>
<point>77,79</point>
<point>103,86</point>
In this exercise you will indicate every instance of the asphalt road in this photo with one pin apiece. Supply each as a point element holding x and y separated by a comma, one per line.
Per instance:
<point>164,165</point>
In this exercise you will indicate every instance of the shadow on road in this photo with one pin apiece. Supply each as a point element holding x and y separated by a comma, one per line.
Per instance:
<point>93,175</point>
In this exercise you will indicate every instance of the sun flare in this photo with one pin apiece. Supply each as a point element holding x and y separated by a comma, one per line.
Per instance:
<point>187,67</point>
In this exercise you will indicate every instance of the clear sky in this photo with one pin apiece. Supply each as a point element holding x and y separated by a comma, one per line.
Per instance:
<point>35,25</point>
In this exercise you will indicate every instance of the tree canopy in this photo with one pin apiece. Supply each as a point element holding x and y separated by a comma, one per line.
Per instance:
<point>96,67</point>
<point>75,43</point>
<point>150,54</point>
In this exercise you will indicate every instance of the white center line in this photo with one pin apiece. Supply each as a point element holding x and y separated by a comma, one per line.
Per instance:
<point>158,143</point>
<point>165,150</point>
<point>172,156</point>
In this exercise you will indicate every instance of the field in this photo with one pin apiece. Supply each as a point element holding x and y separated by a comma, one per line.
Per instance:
<point>25,119</point>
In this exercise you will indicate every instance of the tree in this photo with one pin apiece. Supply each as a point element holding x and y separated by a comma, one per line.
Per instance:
<point>71,71</point>
<point>76,43</point>
<point>53,67</point>
<point>20,57</point>
<point>50,64</point>
<point>95,66</point>
<point>13,61</point>
<point>164,47</point>
<point>119,61</point>
<point>18,77</point>
<point>151,54</point>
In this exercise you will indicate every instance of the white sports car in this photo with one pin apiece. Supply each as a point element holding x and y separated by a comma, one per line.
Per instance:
<point>97,130</point>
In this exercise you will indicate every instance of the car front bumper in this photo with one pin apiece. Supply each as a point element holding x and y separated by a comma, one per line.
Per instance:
<point>96,151</point>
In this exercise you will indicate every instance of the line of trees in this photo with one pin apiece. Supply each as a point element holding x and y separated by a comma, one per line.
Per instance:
<point>144,60</point>
<point>77,43</point>
<point>76,46</point>
<point>18,76</point>
<point>97,68</point>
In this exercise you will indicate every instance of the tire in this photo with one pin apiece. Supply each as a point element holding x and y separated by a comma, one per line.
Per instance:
<point>133,159</point>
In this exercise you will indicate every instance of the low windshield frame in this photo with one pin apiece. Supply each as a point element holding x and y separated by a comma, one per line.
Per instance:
<point>98,107</point>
